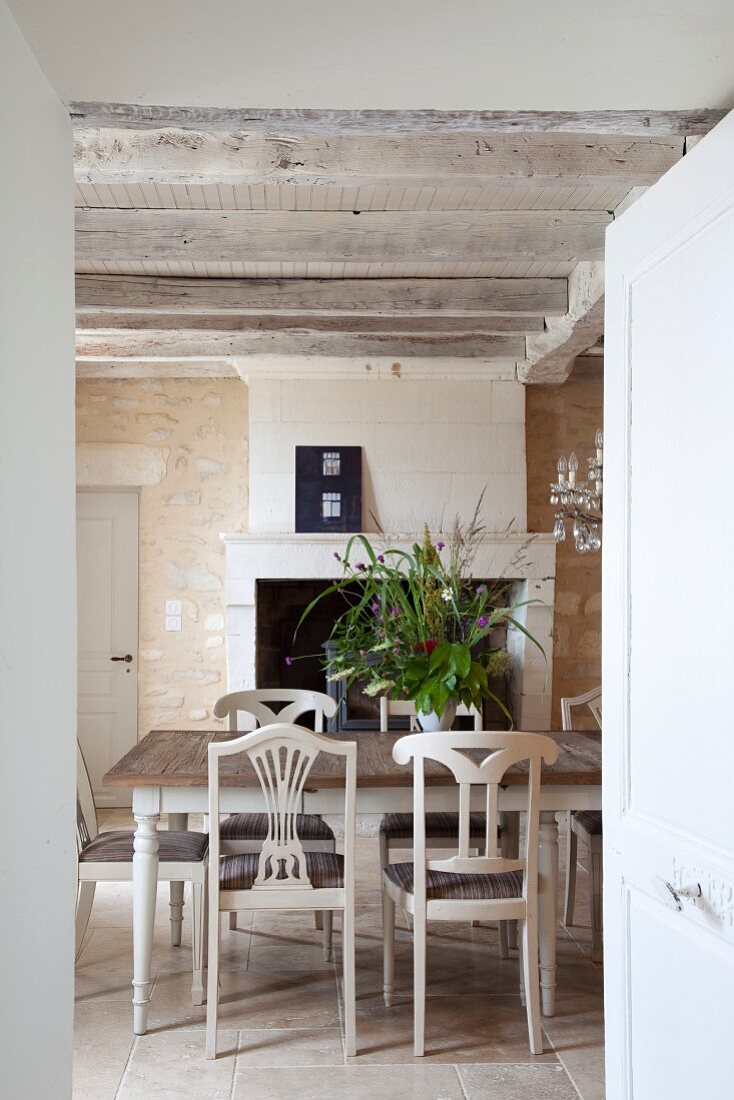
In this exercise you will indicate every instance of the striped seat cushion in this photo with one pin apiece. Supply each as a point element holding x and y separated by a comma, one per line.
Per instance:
<point>255,827</point>
<point>400,826</point>
<point>589,820</point>
<point>117,847</point>
<point>450,886</point>
<point>238,872</point>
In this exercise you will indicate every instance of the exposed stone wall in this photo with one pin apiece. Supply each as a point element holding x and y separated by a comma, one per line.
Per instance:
<point>185,444</point>
<point>561,419</point>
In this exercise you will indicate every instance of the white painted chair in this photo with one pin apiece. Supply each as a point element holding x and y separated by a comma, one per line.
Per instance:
<point>108,857</point>
<point>396,829</point>
<point>283,875</point>
<point>584,826</point>
<point>466,887</point>
<point>245,711</point>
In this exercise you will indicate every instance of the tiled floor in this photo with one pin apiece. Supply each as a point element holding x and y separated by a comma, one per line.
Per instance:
<point>280,1014</point>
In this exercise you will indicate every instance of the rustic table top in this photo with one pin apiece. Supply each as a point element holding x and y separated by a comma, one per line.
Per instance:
<point>178,758</point>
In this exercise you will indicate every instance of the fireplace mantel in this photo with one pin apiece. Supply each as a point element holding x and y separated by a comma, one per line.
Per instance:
<point>527,559</point>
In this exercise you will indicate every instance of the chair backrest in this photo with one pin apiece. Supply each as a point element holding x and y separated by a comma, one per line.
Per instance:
<point>476,759</point>
<point>282,755</point>
<point>86,811</point>
<point>255,704</point>
<point>394,708</point>
<point>590,699</point>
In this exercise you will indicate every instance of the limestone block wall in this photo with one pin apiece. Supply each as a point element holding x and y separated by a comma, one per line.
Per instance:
<point>183,442</point>
<point>561,419</point>
<point>430,448</point>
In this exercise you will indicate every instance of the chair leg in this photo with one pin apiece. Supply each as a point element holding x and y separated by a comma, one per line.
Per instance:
<point>176,905</point>
<point>212,985</point>
<point>595,897</point>
<point>419,984</point>
<point>504,946</point>
<point>350,1006</point>
<point>388,947</point>
<point>511,850</point>
<point>84,900</point>
<point>233,922</point>
<point>529,938</point>
<point>197,942</point>
<point>318,919</point>
<point>327,933</point>
<point>521,955</point>
<point>571,860</point>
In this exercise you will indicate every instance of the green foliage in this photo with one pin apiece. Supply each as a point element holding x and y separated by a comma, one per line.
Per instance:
<point>417,628</point>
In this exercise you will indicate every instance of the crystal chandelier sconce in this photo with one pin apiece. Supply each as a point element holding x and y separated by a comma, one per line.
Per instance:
<point>579,502</point>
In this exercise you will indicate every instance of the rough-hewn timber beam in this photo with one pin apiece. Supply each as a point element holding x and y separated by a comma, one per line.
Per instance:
<point>283,322</point>
<point>186,344</point>
<point>162,368</point>
<point>199,157</point>
<point>290,236</point>
<point>549,357</point>
<point>140,116</point>
<point>323,297</point>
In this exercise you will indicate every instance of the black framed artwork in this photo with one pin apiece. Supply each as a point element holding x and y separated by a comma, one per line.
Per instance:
<point>328,489</point>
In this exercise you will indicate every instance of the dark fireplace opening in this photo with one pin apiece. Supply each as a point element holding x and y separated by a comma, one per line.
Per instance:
<point>279,605</point>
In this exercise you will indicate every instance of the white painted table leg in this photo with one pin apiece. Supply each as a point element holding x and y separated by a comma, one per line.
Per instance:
<point>178,823</point>
<point>547,895</point>
<point>145,883</point>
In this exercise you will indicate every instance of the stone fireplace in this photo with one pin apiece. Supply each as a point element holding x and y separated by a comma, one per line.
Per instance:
<point>434,437</point>
<point>254,560</point>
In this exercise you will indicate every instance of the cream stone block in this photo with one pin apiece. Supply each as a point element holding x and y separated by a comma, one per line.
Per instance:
<point>126,464</point>
<point>214,622</point>
<point>508,403</point>
<point>209,467</point>
<point>189,499</point>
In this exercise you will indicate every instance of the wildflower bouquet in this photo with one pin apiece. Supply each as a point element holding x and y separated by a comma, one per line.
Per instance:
<point>416,626</point>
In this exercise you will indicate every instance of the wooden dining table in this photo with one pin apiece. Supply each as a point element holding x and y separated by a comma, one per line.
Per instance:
<point>167,771</point>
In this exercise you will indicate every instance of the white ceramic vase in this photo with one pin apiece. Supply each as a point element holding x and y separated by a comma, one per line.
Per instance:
<point>433,723</point>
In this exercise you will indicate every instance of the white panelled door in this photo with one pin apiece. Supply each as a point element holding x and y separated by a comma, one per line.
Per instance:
<point>107,599</point>
<point>669,634</point>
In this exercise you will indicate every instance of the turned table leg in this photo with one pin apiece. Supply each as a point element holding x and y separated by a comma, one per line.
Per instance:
<point>177,823</point>
<point>145,884</point>
<point>547,895</point>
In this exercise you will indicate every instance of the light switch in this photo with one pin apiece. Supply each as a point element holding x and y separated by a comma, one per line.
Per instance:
<point>173,607</point>
<point>173,622</point>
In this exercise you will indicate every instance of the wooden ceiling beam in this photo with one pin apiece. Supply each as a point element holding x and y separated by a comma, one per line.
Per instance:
<point>322,297</point>
<point>139,116</point>
<point>177,157</point>
<point>290,236</point>
<point>549,357</point>
<point>181,344</point>
<point>285,322</point>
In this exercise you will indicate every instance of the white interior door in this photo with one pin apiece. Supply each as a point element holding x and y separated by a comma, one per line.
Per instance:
<point>107,600</point>
<point>668,629</point>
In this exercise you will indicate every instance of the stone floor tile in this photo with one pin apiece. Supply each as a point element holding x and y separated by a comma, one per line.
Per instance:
<point>511,1082</point>
<point>353,1083</point>
<point>464,1028</point>
<point>288,957</point>
<point>173,1067</point>
<point>291,1047</point>
<point>104,969</point>
<point>250,999</point>
<point>103,1040</point>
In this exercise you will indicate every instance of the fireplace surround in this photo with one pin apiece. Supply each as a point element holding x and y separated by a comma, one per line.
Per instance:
<point>527,560</point>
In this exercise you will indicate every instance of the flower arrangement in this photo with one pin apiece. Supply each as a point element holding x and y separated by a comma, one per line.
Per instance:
<point>416,625</point>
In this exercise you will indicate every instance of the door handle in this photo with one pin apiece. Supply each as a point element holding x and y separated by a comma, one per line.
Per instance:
<point>127,658</point>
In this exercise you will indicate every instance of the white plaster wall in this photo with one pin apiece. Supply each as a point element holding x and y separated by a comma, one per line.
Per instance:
<point>429,448</point>
<point>37,580</point>
<point>468,54</point>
